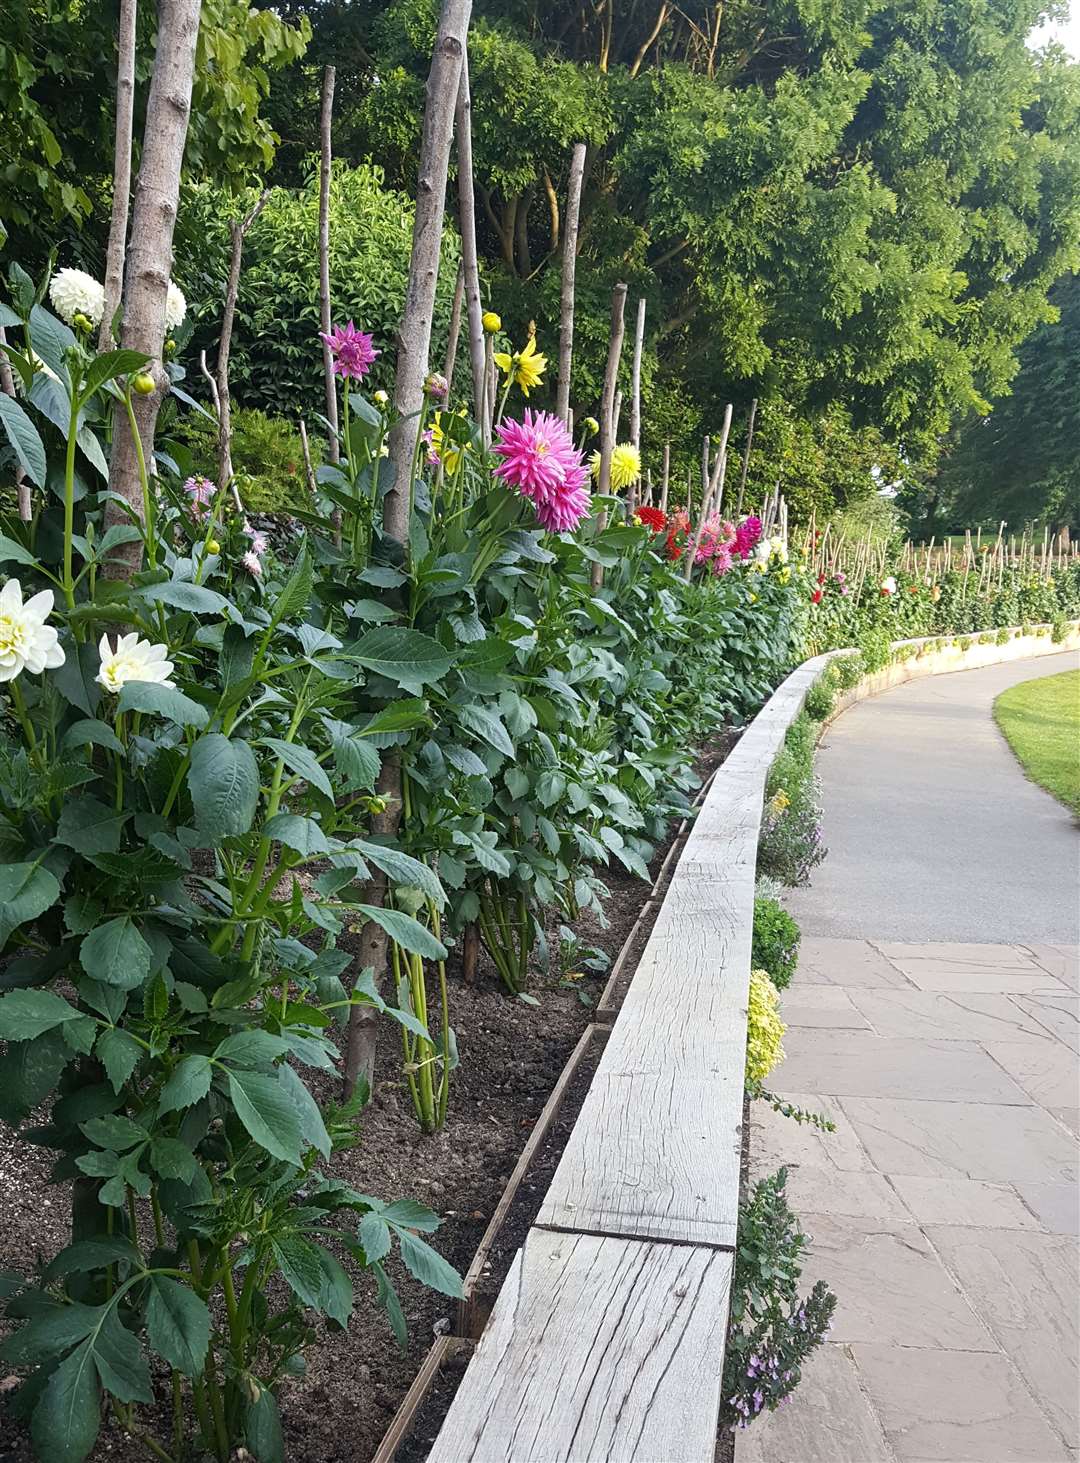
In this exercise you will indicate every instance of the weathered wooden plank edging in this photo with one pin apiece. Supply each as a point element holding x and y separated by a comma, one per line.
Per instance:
<point>606,1342</point>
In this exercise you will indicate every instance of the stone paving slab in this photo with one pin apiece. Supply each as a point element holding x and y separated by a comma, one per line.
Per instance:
<point>943,1211</point>
<point>863,1064</point>
<point>1057,1206</point>
<point>1058,1012</point>
<point>955,1407</point>
<point>965,1201</point>
<point>1060,961</point>
<point>854,964</point>
<point>833,1422</point>
<point>830,1006</point>
<point>990,1141</point>
<point>935,1015</point>
<point>1024,1288</point>
<point>890,1285</point>
<point>1049,1074</point>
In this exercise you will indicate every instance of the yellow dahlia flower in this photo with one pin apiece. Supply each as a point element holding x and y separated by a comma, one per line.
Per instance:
<point>625,466</point>
<point>525,367</point>
<point>491,322</point>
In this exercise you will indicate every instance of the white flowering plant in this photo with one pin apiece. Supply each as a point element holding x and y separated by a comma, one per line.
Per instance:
<point>184,792</point>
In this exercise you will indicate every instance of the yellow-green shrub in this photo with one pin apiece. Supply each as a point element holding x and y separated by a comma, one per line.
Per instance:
<point>764,1028</point>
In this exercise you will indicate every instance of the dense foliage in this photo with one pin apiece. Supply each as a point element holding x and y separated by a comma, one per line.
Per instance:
<point>775,941</point>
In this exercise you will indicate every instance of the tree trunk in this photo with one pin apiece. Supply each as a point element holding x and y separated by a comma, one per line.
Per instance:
<point>326,118</point>
<point>149,257</point>
<point>607,410</point>
<point>414,343</point>
<point>470,952</point>
<point>237,232</point>
<point>467,224</point>
<point>746,456</point>
<point>121,200</point>
<point>569,267</point>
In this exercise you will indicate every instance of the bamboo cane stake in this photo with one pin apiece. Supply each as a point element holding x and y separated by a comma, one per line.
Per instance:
<point>665,479</point>
<point>607,412</point>
<point>480,346</point>
<point>569,268</point>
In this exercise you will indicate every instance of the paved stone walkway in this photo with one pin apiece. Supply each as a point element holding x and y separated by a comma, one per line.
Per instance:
<point>943,1210</point>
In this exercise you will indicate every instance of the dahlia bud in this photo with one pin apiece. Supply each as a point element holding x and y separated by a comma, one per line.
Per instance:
<point>592,426</point>
<point>491,322</point>
<point>381,398</point>
<point>83,323</point>
<point>169,349</point>
<point>212,546</point>
<point>144,383</point>
<point>437,387</point>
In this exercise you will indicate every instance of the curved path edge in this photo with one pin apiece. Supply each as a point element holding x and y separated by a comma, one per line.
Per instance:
<point>606,1342</point>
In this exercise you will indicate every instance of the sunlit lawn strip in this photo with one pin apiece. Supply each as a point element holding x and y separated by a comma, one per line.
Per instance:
<point>1041,722</point>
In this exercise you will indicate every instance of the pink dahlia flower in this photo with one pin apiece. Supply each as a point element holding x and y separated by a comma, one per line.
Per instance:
<point>352,350</point>
<point>540,460</point>
<point>564,511</point>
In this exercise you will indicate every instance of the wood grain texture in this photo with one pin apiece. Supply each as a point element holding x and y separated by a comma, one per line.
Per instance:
<point>654,1154</point>
<point>599,1351</point>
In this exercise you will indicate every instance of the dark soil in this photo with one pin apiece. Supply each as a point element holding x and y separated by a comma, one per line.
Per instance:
<point>511,1056</point>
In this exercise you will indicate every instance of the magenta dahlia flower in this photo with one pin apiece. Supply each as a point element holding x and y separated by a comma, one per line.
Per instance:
<point>352,350</point>
<point>747,535</point>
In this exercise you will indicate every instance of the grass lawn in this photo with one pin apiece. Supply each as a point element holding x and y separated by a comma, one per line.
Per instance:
<point>1041,720</point>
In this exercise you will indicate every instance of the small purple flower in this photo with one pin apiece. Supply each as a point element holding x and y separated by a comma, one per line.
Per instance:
<point>759,1399</point>
<point>352,350</point>
<point>259,543</point>
<point>201,492</point>
<point>251,563</point>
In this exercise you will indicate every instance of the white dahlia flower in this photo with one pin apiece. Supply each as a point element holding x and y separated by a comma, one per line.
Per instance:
<point>175,308</point>
<point>132,660</point>
<point>74,292</point>
<point>26,642</point>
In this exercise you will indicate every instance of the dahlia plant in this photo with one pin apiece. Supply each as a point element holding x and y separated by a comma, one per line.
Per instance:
<point>183,809</point>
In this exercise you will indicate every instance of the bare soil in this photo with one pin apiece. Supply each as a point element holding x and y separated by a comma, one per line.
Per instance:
<point>511,1056</point>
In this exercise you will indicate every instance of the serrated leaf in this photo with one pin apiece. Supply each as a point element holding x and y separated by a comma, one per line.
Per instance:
<point>312,1127</point>
<point>116,954</point>
<point>262,1429</point>
<point>90,732</point>
<point>223,780</point>
<point>24,438</point>
<point>407,932</point>
<point>487,726</point>
<point>14,553</point>
<point>189,1083</point>
<point>374,1236</point>
<point>67,1418</point>
<point>402,868</point>
<point>302,761</point>
<point>173,1159</point>
<point>428,1266</point>
<point>177,1324</point>
<point>114,1131</point>
<point>167,701</point>
<point>268,1113</point>
<point>303,835</point>
<point>408,657</point>
<point>119,1054</point>
<point>90,826</point>
<point>27,1013</point>
<point>120,1362</point>
<point>26,891</point>
<point>252,1048</point>
<point>92,1254</point>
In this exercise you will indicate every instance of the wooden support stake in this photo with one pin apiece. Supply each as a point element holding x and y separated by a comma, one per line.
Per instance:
<point>607,411</point>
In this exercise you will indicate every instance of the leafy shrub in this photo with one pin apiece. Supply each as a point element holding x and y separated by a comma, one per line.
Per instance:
<point>820,698</point>
<point>268,453</point>
<point>771,1331</point>
<point>276,361</point>
<point>764,1028</point>
<point>776,941</point>
<point>790,845</point>
<point>848,670</point>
